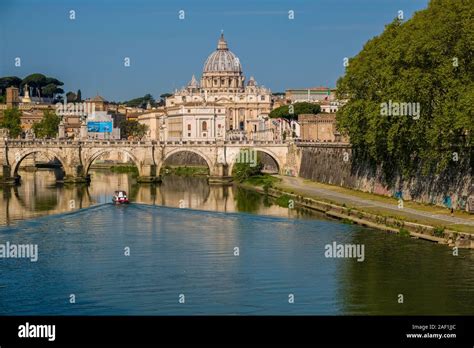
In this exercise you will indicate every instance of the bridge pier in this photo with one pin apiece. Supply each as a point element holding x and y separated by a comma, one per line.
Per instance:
<point>6,178</point>
<point>220,175</point>
<point>74,174</point>
<point>147,174</point>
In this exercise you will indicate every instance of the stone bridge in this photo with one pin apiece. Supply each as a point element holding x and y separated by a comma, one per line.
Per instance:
<point>77,157</point>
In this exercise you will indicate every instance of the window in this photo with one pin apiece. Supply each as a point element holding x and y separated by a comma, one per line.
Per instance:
<point>204,126</point>
<point>189,127</point>
<point>189,111</point>
<point>241,125</point>
<point>262,97</point>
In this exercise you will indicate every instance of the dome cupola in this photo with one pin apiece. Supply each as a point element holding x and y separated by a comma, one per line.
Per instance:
<point>222,59</point>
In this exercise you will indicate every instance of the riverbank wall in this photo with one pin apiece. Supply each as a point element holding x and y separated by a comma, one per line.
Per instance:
<point>384,223</point>
<point>333,164</point>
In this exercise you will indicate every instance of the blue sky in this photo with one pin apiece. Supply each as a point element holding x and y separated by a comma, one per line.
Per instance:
<point>88,52</point>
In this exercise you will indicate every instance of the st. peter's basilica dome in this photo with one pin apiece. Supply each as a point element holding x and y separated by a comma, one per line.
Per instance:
<point>222,59</point>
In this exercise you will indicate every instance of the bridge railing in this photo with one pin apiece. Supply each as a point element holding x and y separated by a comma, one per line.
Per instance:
<point>64,142</point>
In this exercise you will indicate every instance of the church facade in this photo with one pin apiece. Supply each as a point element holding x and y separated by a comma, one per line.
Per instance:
<point>223,103</point>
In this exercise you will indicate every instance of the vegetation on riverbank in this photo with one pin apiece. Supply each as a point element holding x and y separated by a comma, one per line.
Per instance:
<point>124,169</point>
<point>264,180</point>
<point>421,71</point>
<point>375,217</point>
<point>186,171</point>
<point>383,213</point>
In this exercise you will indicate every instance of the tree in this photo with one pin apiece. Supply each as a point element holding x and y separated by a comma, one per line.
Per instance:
<point>132,128</point>
<point>42,84</point>
<point>163,97</point>
<point>426,60</point>
<point>142,101</point>
<point>71,97</point>
<point>9,81</point>
<point>12,121</point>
<point>50,90</point>
<point>298,108</point>
<point>79,96</point>
<point>48,126</point>
<point>244,170</point>
<point>37,81</point>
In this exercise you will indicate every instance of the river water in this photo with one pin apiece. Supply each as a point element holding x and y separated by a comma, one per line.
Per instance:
<point>184,247</point>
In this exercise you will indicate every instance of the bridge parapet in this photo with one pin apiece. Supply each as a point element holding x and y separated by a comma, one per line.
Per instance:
<point>76,156</point>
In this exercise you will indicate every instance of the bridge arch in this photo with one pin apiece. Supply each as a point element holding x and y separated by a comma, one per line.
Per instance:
<point>208,161</point>
<point>21,155</point>
<point>233,159</point>
<point>101,152</point>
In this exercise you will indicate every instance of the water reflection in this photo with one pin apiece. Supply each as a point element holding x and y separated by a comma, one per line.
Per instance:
<point>188,250</point>
<point>39,195</point>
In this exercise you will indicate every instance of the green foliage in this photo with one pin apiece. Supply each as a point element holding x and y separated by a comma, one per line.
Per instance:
<point>9,81</point>
<point>298,108</point>
<point>142,101</point>
<point>37,81</point>
<point>264,180</point>
<point>42,85</point>
<point>131,128</point>
<point>243,171</point>
<point>79,96</point>
<point>50,90</point>
<point>247,201</point>
<point>403,232</point>
<point>186,171</point>
<point>71,97</point>
<point>414,62</point>
<point>12,121</point>
<point>283,201</point>
<point>124,169</point>
<point>48,126</point>
<point>438,231</point>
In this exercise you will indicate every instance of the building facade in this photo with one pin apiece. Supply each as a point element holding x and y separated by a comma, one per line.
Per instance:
<point>235,105</point>
<point>311,95</point>
<point>318,128</point>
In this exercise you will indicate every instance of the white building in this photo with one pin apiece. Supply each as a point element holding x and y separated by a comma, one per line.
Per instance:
<point>244,105</point>
<point>221,106</point>
<point>194,121</point>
